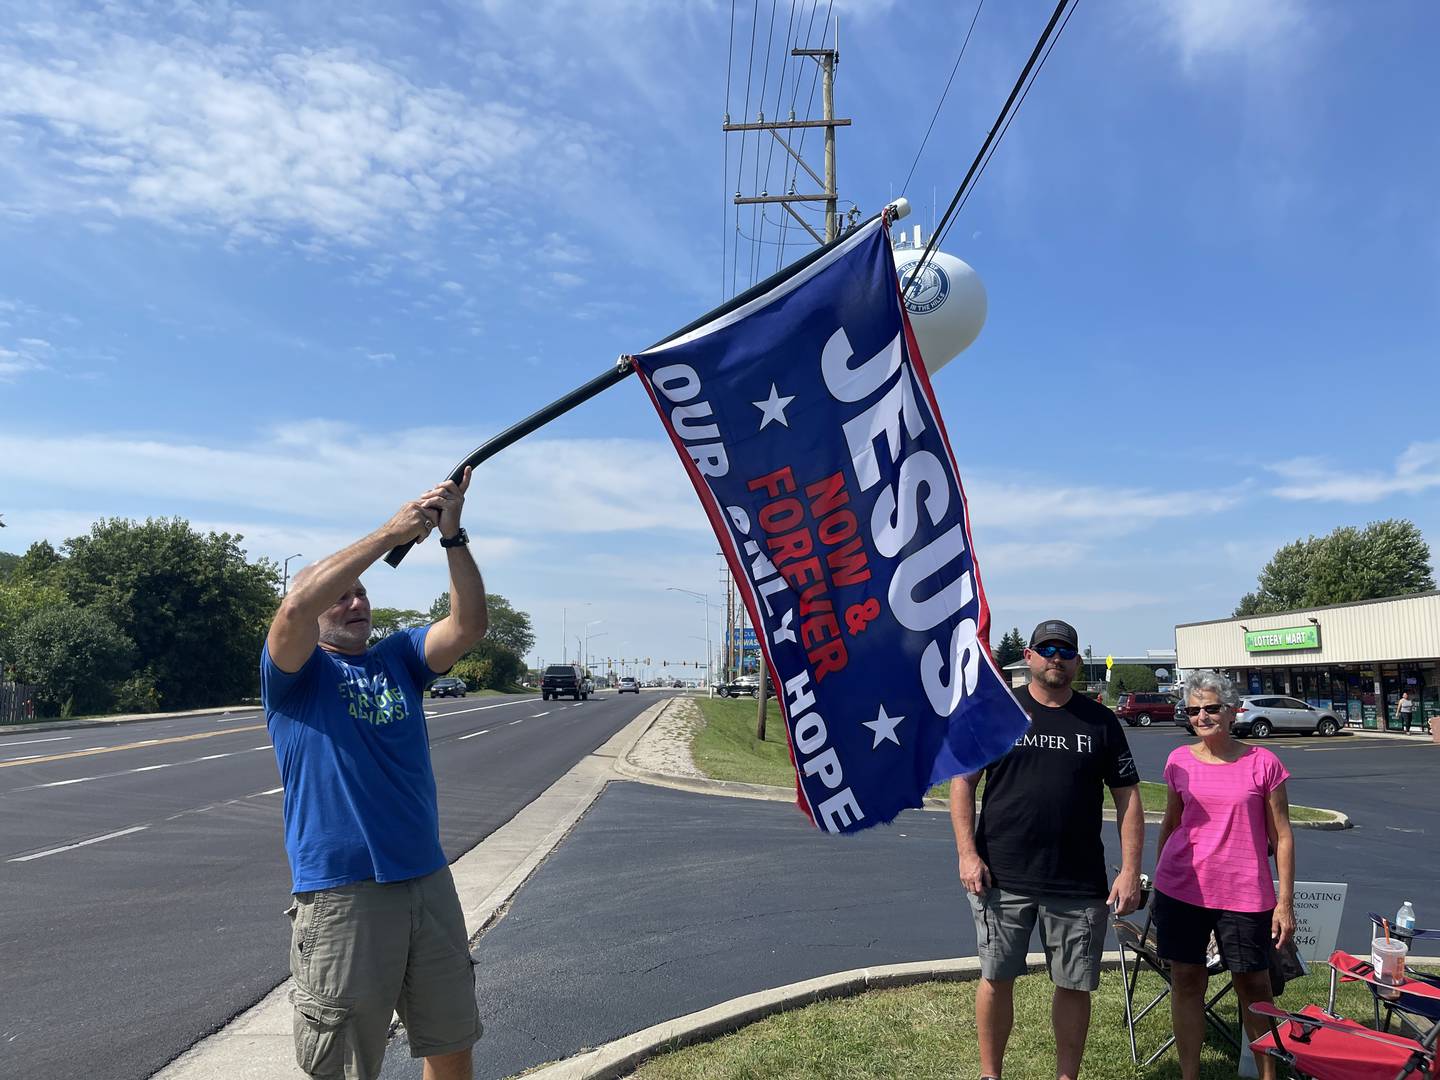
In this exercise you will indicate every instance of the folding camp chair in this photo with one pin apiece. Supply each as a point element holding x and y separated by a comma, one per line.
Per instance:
<point>1314,1045</point>
<point>1417,1010</point>
<point>1138,952</point>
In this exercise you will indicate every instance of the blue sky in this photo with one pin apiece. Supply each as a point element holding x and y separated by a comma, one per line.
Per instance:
<point>274,269</point>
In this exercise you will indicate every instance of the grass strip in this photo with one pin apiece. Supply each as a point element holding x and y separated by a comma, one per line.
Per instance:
<point>927,1032</point>
<point>726,748</point>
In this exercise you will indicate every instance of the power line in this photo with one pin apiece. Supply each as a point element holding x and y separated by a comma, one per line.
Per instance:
<point>725,168</point>
<point>740,169</point>
<point>1011,119</point>
<point>938,105</point>
<point>764,86</point>
<point>989,139</point>
<point>814,82</point>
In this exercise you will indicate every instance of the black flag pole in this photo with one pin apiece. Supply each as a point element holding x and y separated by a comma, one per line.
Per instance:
<point>623,366</point>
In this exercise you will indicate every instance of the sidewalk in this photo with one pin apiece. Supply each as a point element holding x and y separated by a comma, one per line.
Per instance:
<point>110,721</point>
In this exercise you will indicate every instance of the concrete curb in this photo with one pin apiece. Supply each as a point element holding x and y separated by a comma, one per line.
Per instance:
<point>624,1055</point>
<point>703,785</point>
<point>259,1043</point>
<point>111,721</point>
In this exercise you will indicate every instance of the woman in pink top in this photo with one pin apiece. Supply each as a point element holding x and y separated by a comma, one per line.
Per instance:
<point>1226,808</point>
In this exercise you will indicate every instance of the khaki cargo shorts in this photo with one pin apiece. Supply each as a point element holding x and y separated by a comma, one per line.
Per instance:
<point>1072,932</point>
<point>360,953</point>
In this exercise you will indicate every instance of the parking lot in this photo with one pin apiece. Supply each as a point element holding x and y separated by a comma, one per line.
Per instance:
<point>1382,783</point>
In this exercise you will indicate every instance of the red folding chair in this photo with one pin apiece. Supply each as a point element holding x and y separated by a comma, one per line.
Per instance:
<point>1417,1010</point>
<point>1316,1046</point>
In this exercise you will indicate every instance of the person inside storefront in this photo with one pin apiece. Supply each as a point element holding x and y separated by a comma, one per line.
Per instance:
<point>1406,706</point>
<point>1226,808</point>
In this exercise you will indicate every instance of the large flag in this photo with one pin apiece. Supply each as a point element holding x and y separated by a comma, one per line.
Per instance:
<point>808,427</point>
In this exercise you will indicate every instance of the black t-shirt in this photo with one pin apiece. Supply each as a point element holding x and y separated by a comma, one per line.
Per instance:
<point>1040,812</point>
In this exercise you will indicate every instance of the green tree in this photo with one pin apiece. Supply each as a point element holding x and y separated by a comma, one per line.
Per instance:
<point>41,564</point>
<point>440,608</point>
<point>73,657</point>
<point>1012,648</point>
<point>1385,558</point>
<point>508,628</point>
<point>1131,678</point>
<point>8,559</point>
<point>18,601</point>
<point>194,607</point>
<point>385,621</point>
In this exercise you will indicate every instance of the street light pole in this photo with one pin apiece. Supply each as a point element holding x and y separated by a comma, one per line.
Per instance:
<point>285,583</point>
<point>588,636</point>
<point>709,656</point>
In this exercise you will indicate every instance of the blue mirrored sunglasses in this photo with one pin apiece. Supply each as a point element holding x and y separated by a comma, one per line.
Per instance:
<point>1051,651</point>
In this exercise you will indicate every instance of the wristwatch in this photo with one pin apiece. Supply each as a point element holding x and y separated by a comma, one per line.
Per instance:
<point>460,539</point>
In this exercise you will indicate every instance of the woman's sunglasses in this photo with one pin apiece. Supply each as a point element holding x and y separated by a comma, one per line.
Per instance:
<point>1051,651</point>
<point>1193,711</point>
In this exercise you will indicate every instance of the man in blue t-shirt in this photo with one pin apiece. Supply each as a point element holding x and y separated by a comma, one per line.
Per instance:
<point>377,926</point>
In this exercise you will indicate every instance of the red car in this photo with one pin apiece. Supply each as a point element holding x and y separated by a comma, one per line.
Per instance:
<point>1142,710</point>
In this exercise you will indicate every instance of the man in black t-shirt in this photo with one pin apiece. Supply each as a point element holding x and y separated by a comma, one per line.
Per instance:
<point>1037,854</point>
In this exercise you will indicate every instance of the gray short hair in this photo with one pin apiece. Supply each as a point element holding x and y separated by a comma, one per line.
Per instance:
<point>1221,686</point>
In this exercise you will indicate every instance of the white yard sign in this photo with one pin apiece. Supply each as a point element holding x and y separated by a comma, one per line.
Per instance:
<point>1318,907</point>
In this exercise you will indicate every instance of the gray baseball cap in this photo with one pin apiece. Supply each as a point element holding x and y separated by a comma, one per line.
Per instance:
<point>1055,630</point>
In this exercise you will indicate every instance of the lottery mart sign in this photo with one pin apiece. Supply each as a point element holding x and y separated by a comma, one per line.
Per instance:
<point>1286,637</point>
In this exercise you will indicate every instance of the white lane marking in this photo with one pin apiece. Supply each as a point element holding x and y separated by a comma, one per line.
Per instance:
<point>576,705</point>
<point>212,757</point>
<point>429,712</point>
<point>152,768</point>
<point>482,708</point>
<point>536,716</point>
<point>62,783</point>
<point>29,742</point>
<point>472,734</point>
<point>23,757</point>
<point>81,843</point>
<point>271,791</point>
<point>265,747</point>
<point>514,722</point>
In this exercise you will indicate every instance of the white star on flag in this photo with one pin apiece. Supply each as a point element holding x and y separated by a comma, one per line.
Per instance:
<point>884,728</point>
<point>773,407</point>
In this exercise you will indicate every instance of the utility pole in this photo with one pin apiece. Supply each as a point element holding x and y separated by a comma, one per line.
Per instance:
<point>829,194</point>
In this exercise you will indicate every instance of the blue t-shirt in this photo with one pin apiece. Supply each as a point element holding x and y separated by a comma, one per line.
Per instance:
<point>354,753</point>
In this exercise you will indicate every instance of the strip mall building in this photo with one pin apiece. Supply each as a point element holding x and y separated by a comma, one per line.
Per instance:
<point>1354,658</point>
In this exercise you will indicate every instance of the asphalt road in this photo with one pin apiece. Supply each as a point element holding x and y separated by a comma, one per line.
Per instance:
<point>661,902</point>
<point>1385,785</point>
<point>143,877</point>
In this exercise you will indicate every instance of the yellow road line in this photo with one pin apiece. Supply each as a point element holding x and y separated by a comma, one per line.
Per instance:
<point>130,746</point>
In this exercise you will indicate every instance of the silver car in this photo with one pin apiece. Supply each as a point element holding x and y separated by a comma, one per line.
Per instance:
<point>1265,714</point>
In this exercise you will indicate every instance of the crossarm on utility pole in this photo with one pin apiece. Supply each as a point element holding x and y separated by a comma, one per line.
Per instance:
<point>805,224</point>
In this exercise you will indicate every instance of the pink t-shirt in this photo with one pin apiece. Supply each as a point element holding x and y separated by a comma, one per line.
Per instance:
<point>1218,855</point>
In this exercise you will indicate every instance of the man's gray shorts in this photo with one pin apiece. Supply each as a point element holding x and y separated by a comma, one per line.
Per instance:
<point>360,953</point>
<point>1072,931</point>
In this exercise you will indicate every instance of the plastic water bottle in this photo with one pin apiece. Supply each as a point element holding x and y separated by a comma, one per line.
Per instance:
<point>1405,917</point>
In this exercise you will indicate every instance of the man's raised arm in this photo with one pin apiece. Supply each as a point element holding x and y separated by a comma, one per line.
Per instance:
<point>451,637</point>
<point>295,630</point>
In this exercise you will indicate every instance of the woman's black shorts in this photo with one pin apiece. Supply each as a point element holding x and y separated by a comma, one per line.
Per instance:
<point>1182,933</point>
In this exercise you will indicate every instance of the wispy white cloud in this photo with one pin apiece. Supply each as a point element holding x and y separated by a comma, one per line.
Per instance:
<point>247,131</point>
<point>544,486</point>
<point>1014,505</point>
<point>1416,470</point>
<point>1203,29</point>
